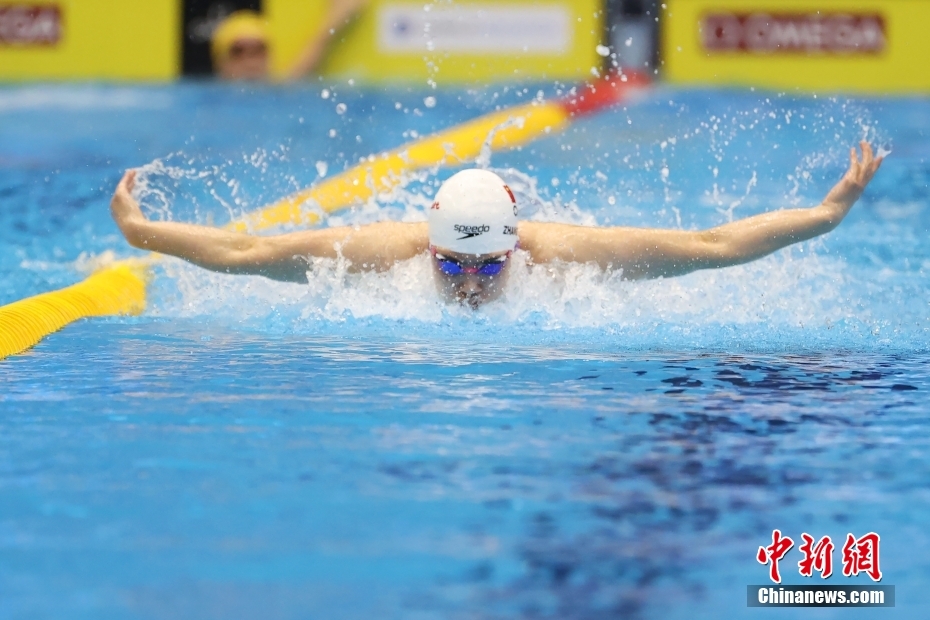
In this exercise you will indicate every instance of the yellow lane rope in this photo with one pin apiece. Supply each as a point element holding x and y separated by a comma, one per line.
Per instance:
<point>460,144</point>
<point>120,287</point>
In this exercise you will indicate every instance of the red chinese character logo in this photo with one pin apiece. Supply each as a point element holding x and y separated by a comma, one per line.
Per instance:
<point>817,557</point>
<point>774,552</point>
<point>862,556</point>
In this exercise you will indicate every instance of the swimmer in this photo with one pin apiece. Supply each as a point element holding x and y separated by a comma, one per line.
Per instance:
<point>472,233</point>
<point>240,45</point>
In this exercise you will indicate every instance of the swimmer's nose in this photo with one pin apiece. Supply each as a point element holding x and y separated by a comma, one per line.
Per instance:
<point>472,285</point>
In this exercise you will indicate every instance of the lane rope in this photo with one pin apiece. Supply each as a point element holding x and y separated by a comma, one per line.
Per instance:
<point>120,288</point>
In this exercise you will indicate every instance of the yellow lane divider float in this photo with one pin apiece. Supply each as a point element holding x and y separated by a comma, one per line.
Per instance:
<point>120,288</point>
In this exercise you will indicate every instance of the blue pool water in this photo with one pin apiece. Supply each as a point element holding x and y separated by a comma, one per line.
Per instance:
<point>352,448</point>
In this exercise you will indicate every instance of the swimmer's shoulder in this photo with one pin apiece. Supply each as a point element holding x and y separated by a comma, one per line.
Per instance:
<point>416,235</point>
<point>405,239</point>
<point>546,241</point>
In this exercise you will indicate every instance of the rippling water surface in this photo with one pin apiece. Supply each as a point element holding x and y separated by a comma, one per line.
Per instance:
<point>585,448</point>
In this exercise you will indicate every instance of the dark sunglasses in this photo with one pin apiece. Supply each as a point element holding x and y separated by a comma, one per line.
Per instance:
<point>238,50</point>
<point>452,267</point>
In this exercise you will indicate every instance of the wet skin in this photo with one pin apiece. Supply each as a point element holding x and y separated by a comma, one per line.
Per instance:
<point>470,289</point>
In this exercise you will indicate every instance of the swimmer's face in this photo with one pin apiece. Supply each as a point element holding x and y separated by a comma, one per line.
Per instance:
<point>470,279</point>
<point>247,59</point>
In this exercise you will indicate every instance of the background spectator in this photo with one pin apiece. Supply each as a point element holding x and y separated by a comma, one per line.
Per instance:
<point>241,46</point>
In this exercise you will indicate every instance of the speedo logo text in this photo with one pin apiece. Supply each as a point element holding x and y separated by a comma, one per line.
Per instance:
<point>471,231</point>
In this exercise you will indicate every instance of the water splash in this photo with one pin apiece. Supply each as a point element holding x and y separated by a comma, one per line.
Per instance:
<point>804,288</point>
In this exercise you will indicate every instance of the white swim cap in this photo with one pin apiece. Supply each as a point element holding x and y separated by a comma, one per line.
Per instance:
<point>474,213</point>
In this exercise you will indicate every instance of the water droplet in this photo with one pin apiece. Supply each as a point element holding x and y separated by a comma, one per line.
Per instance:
<point>430,102</point>
<point>341,108</point>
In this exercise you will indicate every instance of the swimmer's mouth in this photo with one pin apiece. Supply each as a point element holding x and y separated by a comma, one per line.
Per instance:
<point>471,301</point>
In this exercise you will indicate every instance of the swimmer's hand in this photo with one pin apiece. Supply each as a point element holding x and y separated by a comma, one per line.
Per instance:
<point>125,209</point>
<point>842,197</point>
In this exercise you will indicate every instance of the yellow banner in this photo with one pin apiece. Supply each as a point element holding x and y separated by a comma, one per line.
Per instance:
<point>89,39</point>
<point>815,45</point>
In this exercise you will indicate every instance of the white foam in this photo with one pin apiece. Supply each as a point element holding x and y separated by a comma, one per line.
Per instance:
<point>782,290</point>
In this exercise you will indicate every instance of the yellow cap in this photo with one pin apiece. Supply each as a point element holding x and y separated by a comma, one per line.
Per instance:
<point>239,25</point>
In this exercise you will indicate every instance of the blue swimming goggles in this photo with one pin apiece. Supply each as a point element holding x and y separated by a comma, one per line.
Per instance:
<point>452,267</point>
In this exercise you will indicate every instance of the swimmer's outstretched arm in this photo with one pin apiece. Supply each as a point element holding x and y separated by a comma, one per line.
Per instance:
<point>653,253</point>
<point>281,257</point>
<point>340,13</point>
